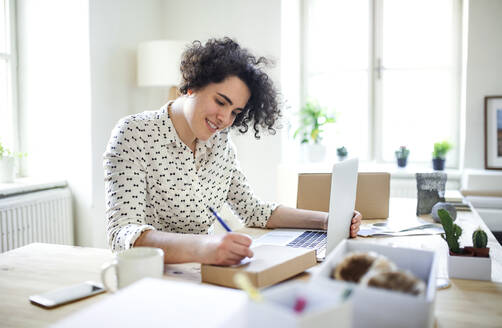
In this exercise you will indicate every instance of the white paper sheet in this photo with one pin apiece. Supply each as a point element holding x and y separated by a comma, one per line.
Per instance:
<point>163,303</point>
<point>400,228</point>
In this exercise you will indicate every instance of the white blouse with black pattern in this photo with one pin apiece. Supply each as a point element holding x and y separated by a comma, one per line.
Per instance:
<point>153,181</point>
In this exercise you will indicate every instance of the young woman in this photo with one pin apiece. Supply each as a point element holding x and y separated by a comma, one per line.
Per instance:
<point>165,168</point>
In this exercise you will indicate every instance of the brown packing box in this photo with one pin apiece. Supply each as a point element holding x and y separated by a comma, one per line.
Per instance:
<point>372,198</point>
<point>270,264</point>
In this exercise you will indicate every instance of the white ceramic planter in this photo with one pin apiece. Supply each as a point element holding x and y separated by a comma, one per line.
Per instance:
<point>7,166</point>
<point>469,267</point>
<point>316,152</point>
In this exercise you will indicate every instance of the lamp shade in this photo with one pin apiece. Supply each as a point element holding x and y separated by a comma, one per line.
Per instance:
<point>159,63</point>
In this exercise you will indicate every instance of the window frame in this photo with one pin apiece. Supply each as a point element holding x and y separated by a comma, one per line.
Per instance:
<point>375,89</point>
<point>12,60</point>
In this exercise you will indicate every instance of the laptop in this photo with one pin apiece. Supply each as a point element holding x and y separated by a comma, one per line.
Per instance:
<point>341,209</point>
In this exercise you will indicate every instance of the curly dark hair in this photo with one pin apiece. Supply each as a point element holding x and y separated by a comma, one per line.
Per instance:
<point>221,58</point>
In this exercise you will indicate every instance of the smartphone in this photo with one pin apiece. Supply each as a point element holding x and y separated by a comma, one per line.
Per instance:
<point>67,294</point>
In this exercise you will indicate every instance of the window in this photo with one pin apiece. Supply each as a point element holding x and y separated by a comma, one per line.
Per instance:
<point>390,69</point>
<point>8,115</point>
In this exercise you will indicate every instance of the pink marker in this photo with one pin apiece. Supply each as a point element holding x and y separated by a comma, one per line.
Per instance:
<point>300,304</point>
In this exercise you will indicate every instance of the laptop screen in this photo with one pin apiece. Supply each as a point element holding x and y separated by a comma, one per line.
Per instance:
<point>342,201</point>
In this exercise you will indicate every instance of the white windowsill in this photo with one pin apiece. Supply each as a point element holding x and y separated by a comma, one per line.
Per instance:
<point>399,173</point>
<point>29,184</point>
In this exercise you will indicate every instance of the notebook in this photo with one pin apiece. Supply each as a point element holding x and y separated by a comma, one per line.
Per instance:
<point>341,209</point>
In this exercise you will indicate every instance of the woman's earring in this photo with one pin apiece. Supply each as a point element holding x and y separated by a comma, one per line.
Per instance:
<point>189,92</point>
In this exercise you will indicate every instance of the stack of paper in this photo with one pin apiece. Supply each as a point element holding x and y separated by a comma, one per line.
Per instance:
<point>400,228</point>
<point>455,198</point>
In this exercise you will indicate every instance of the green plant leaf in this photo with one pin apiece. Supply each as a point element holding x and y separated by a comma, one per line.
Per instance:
<point>314,134</point>
<point>452,231</point>
<point>312,117</point>
<point>441,149</point>
<point>5,152</point>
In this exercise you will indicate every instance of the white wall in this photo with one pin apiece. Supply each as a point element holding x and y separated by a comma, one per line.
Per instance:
<point>483,74</point>
<point>291,74</point>
<point>255,25</point>
<point>54,89</point>
<point>68,51</point>
<point>116,28</point>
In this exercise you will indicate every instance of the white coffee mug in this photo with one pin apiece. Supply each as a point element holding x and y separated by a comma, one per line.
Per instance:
<point>134,264</point>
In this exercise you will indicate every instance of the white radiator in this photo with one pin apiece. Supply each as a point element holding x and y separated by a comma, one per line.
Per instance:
<point>407,187</point>
<point>42,216</point>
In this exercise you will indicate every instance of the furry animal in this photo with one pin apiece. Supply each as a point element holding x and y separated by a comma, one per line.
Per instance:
<point>375,270</point>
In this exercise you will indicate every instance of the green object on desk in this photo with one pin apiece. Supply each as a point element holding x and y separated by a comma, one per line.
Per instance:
<point>479,238</point>
<point>346,293</point>
<point>452,231</point>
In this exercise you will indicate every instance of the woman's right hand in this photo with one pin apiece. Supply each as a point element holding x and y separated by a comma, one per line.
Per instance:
<point>227,249</point>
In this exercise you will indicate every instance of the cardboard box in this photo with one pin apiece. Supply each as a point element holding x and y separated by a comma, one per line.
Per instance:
<point>376,307</point>
<point>323,307</point>
<point>372,198</point>
<point>270,264</point>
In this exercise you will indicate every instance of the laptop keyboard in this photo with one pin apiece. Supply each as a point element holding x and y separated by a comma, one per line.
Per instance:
<point>310,239</point>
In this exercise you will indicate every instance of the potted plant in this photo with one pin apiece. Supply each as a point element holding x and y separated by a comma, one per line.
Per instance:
<point>402,156</point>
<point>439,154</point>
<point>452,232</point>
<point>341,153</point>
<point>312,118</point>
<point>8,164</point>
<point>464,262</point>
<point>479,243</point>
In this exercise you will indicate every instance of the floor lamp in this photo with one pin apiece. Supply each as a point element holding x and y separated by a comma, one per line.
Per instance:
<point>159,64</point>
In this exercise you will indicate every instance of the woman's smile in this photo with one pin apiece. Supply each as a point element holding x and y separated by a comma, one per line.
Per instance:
<point>212,127</point>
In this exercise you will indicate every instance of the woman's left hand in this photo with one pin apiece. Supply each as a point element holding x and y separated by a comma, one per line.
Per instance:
<point>356,222</point>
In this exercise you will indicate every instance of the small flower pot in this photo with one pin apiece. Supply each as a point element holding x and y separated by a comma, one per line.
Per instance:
<point>7,169</point>
<point>438,164</point>
<point>482,252</point>
<point>479,251</point>
<point>316,152</point>
<point>469,266</point>
<point>342,158</point>
<point>401,162</point>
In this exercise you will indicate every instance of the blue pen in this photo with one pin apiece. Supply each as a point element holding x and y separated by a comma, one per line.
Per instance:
<point>221,221</point>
